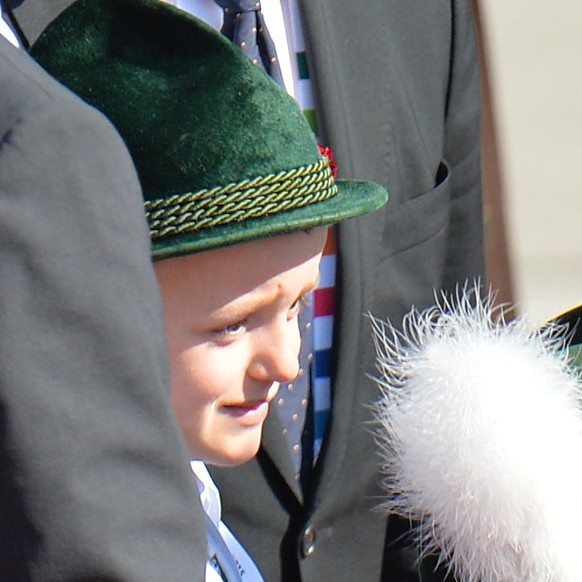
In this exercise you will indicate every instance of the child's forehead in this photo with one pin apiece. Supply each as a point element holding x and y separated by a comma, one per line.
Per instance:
<point>274,254</point>
<point>221,276</point>
<point>264,246</point>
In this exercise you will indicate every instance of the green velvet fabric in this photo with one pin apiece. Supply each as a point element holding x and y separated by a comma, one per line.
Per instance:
<point>194,112</point>
<point>361,197</point>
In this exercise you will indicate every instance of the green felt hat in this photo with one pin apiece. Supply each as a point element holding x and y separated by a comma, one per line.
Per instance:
<point>223,154</point>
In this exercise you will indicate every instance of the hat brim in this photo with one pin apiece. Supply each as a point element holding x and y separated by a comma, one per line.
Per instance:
<point>354,198</point>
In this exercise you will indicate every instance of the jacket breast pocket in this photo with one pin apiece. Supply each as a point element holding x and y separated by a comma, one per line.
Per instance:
<point>413,250</point>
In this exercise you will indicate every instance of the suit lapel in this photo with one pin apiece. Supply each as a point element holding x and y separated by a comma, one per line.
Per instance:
<point>347,116</point>
<point>347,365</point>
<point>321,63</point>
<point>324,25</point>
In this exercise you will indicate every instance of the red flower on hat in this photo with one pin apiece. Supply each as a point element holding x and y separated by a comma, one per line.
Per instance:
<point>325,151</point>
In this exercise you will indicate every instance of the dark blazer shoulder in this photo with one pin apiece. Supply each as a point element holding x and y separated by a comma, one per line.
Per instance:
<point>87,437</point>
<point>26,86</point>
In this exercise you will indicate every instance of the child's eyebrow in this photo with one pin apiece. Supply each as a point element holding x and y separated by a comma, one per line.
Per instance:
<point>242,306</point>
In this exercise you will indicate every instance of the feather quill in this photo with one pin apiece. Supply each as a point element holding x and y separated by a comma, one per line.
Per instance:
<point>480,428</point>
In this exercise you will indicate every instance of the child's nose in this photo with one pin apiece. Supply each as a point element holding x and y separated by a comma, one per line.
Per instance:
<point>278,357</point>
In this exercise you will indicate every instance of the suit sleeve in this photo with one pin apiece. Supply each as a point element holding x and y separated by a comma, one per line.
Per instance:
<point>94,481</point>
<point>465,254</point>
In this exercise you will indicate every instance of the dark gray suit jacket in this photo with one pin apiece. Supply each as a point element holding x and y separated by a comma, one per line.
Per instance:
<point>94,482</point>
<point>397,91</point>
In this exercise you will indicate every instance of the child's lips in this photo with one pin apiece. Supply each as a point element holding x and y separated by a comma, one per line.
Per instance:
<point>248,413</point>
<point>244,407</point>
<point>252,412</point>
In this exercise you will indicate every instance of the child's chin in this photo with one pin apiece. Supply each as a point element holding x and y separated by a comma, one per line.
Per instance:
<point>237,455</point>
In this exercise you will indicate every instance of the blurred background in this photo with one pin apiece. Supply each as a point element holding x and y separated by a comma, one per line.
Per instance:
<point>533,151</point>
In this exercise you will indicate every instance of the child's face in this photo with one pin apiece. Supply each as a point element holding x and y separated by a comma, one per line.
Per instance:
<point>233,335</point>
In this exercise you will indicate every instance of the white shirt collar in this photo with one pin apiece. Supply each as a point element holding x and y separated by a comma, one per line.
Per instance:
<point>209,495</point>
<point>6,31</point>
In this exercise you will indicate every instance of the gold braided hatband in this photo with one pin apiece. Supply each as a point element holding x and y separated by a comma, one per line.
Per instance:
<point>184,213</point>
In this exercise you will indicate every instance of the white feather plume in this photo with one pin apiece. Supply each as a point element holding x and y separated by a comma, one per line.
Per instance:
<point>480,426</point>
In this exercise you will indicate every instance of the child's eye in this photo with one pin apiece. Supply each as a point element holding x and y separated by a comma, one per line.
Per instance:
<point>231,330</point>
